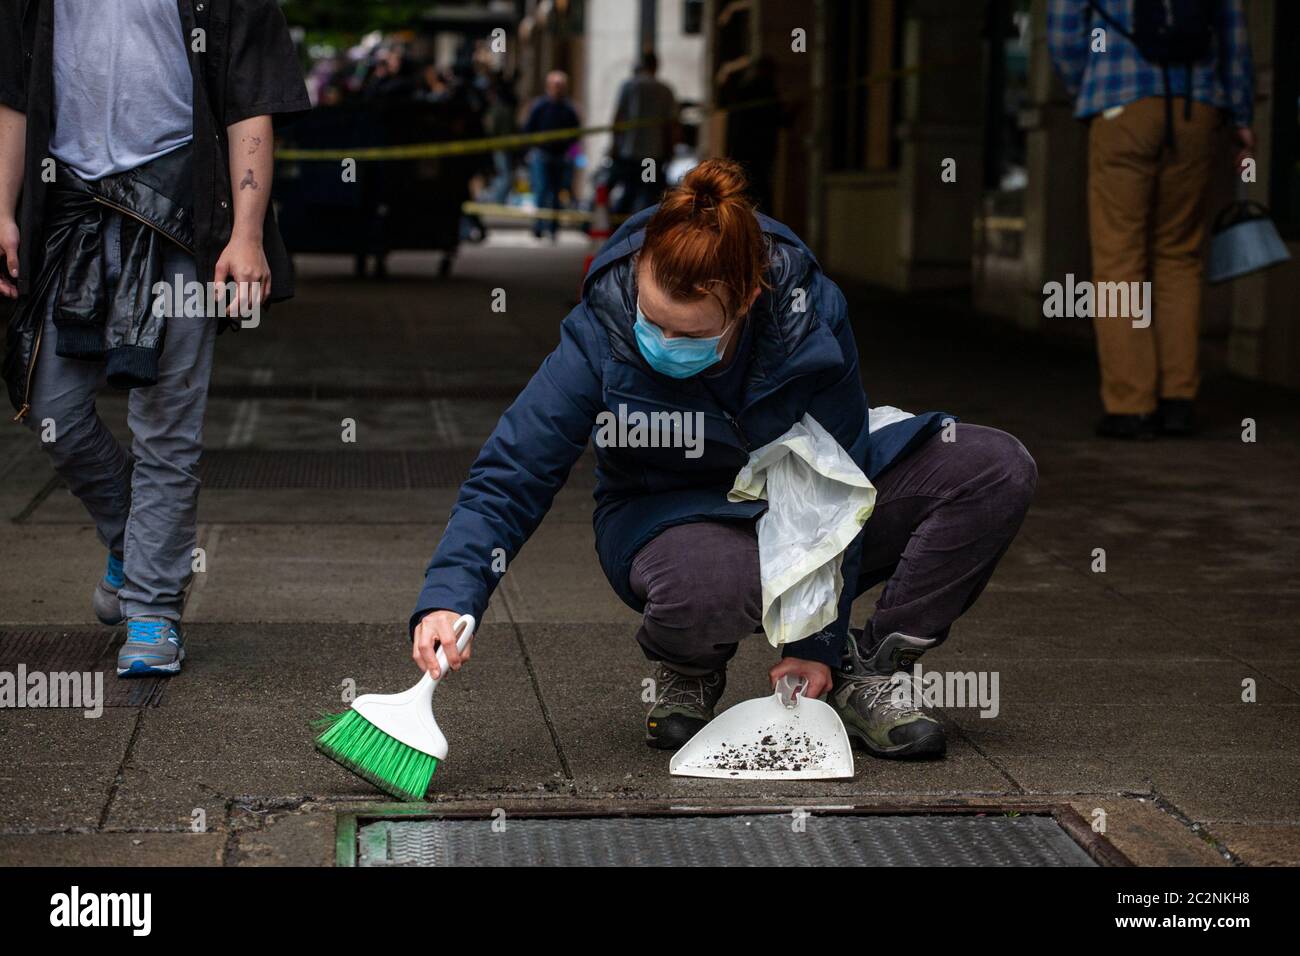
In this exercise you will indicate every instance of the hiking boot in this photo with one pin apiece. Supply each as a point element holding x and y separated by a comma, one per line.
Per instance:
<point>683,706</point>
<point>104,600</point>
<point>865,693</point>
<point>153,646</point>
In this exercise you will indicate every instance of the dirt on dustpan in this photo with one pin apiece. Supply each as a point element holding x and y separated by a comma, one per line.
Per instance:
<point>777,750</point>
<point>777,737</point>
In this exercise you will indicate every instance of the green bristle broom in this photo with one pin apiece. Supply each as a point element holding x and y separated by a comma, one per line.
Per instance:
<point>392,740</point>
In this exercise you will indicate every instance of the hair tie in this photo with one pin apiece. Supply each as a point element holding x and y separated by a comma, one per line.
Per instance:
<point>698,198</point>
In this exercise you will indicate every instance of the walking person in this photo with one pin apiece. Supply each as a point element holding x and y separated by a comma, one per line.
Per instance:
<point>162,179</point>
<point>549,161</point>
<point>650,106</point>
<point>701,306</point>
<point>1157,85</point>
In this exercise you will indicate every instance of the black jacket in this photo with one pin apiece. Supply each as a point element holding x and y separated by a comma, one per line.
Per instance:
<point>249,68</point>
<point>120,327</point>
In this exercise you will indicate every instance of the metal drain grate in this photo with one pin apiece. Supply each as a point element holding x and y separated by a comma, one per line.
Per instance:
<point>53,651</point>
<point>245,469</point>
<point>744,840</point>
<point>321,391</point>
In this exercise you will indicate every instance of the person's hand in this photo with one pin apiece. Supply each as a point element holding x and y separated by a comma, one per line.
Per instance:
<point>243,262</point>
<point>9,252</point>
<point>1244,137</point>
<point>816,673</point>
<point>438,628</point>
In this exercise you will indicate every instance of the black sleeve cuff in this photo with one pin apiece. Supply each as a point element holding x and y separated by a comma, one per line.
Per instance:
<point>826,648</point>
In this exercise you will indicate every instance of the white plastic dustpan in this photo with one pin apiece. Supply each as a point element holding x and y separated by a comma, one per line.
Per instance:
<point>781,737</point>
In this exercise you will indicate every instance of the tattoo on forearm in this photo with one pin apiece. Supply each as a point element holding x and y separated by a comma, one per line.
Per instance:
<point>253,143</point>
<point>248,181</point>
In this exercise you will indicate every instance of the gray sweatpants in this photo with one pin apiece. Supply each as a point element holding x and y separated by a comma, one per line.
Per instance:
<point>145,504</point>
<point>944,517</point>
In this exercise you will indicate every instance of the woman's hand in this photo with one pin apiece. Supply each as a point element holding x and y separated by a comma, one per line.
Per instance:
<point>816,673</point>
<point>438,628</point>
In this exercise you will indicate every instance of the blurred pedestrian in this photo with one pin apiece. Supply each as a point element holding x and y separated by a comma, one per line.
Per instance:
<point>433,87</point>
<point>549,161</point>
<point>392,77</point>
<point>499,120</point>
<point>1156,85</point>
<point>651,107</point>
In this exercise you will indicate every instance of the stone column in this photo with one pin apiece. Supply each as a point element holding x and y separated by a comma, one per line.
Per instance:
<point>941,119</point>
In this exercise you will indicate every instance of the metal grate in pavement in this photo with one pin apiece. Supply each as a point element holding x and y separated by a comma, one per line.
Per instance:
<point>59,651</point>
<point>742,840</point>
<point>324,391</point>
<point>381,470</point>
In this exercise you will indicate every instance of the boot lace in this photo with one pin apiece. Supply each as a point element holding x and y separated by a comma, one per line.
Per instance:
<point>681,689</point>
<point>897,694</point>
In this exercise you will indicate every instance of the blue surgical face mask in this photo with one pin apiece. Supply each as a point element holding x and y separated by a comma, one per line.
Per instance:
<point>679,357</point>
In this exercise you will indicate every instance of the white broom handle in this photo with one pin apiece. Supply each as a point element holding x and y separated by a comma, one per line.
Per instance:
<point>465,621</point>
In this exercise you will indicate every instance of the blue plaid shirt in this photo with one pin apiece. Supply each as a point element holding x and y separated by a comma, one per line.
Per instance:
<point>1100,81</point>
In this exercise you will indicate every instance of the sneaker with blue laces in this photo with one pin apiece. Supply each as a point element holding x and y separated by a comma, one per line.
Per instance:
<point>107,607</point>
<point>153,645</point>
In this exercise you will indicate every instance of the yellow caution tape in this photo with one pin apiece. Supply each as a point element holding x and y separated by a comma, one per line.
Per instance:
<point>463,147</point>
<point>501,211</point>
<point>488,144</point>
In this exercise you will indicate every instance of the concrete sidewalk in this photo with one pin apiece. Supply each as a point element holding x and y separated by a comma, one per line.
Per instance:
<point>1120,690</point>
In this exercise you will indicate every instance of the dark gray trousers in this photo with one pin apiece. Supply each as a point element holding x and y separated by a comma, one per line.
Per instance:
<point>944,517</point>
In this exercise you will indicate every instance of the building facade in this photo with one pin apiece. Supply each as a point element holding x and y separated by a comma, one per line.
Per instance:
<point>928,145</point>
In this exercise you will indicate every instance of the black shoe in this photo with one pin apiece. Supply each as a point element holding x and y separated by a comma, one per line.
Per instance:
<point>1176,417</point>
<point>1128,427</point>
<point>683,706</point>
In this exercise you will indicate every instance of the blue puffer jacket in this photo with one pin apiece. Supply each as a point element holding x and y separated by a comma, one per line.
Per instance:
<point>803,359</point>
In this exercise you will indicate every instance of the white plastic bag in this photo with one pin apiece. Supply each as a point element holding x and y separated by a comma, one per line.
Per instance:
<point>818,500</point>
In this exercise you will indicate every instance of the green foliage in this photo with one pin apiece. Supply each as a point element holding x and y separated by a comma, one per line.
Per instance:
<point>353,17</point>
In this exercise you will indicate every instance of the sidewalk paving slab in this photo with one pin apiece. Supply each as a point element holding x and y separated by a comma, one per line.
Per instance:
<point>1260,845</point>
<point>281,506</point>
<point>112,849</point>
<point>313,572</point>
<point>218,733</point>
<point>58,768</point>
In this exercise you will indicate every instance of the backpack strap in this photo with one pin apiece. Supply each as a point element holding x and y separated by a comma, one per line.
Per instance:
<point>1092,5</point>
<point>1164,73</point>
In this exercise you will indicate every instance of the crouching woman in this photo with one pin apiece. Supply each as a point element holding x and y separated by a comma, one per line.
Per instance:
<point>702,309</point>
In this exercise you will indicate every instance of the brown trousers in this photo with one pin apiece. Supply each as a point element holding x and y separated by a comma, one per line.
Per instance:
<point>1146,208</point>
